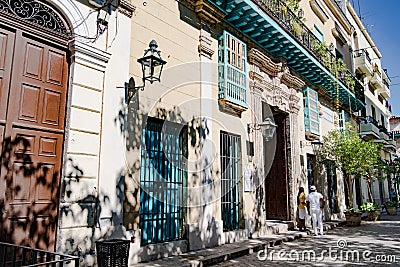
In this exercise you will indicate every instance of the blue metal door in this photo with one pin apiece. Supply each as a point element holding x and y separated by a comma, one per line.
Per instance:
<point>162,177</point>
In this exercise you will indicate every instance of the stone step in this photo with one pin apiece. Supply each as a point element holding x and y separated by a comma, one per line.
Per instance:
<point>210,256</point>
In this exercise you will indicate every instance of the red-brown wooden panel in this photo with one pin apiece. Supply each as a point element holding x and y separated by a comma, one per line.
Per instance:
<point>21,183</point>
<point>25,144</point>
<point>51,112</point>
<point>33,61</point>
<point>55,68</point>
<point>44,191</point>
<point>48,146</point>
<point>6,54</point>
<point>3,49</point>
<point>29,103</point>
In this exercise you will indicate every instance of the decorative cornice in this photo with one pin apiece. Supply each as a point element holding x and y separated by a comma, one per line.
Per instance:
<point>126,7</point>
<point>290,80</point>
<point>208,13</point>
<point>256,77</point>
<point>230,107</point>
<point>89,55</point>
<point>262,61</point>
<point>205,46</point>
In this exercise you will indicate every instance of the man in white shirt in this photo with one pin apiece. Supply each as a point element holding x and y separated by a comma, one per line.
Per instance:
<point>315,205</point>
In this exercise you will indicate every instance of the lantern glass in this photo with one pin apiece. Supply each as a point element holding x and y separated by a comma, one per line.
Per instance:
<point>267,128</point>
<point>152,64</point>
<point>316,146</point>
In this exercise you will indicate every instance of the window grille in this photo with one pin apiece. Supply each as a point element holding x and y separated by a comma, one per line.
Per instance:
<point>231,169</point>
<point>162,177</point>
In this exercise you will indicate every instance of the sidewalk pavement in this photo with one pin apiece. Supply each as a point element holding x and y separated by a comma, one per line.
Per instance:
<point>210,256</point>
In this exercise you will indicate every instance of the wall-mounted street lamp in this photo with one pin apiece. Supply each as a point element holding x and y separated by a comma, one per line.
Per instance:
<point>152,65</point>
<point>267,128</point>
<point>316,146</point>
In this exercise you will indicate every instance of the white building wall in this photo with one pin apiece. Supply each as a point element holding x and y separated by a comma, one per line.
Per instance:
<point>94,145</point>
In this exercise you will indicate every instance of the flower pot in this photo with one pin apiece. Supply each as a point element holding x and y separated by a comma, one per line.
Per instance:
<point>391,210</point>
<point>374,215</point>
<point>353,218</point>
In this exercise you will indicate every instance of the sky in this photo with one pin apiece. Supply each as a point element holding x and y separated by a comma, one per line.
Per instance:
<point>382,20</point>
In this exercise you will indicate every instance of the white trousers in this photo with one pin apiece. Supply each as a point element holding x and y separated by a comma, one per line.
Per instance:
<point>316,216</point>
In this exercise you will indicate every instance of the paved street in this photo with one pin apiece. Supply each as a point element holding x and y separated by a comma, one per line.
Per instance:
<point>372,244</point>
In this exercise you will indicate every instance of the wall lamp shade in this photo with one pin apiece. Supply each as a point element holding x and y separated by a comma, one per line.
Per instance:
<point>267,128</point>
<point>152,63</point>
<point>316,146</point>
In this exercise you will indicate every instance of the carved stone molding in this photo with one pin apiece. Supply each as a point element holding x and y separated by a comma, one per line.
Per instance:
<point>230,107</point>
<point>208,13</point>
<point>262,61</point>
<point>290,80</point>
<point>126,7</point>
<point>256,77</point>
<point>205,45</point>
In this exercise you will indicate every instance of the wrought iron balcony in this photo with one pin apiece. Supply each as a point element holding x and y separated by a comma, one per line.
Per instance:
<point>362,61</point>
<point>14,255</point>
<point>391,144</point>
<point>279,31</point>
<point>384,136</point>
<point>369,128</point>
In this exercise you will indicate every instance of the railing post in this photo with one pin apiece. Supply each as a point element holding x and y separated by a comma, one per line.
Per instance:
<point>14,256</point>
<point>4,255</point>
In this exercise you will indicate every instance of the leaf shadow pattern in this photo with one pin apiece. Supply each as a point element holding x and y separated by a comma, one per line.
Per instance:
<point>28,196</point>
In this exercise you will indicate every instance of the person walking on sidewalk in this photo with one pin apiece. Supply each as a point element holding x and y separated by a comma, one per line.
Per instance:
<point>301,209</point>
<point>315,205</point>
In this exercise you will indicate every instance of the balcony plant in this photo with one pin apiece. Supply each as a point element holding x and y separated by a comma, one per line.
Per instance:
<point>372,209</point>
<point>391,207</point>
<point>353,156</point>
<point>320,48</point>
<point>297,29</point>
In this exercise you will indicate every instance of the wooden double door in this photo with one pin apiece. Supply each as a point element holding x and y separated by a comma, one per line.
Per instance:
<point>33,83</point>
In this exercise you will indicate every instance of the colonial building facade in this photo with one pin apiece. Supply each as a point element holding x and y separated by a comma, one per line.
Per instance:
<point>188,162</point>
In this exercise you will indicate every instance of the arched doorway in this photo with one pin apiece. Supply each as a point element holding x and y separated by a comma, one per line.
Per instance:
<point>33,92</point>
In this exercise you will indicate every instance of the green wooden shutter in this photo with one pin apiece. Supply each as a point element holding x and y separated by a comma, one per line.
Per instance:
<point>343,118</point>
<point>311,113</point>
<point>232,69</point>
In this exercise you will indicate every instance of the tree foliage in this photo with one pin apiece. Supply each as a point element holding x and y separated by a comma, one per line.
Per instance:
<point>351,154</point>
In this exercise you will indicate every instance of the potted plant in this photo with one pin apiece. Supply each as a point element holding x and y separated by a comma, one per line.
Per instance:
<point>391,207</point>
<point>372,209</point>
<point>353,217</point>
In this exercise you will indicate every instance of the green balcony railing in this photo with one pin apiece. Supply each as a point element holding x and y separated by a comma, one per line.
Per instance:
<point>292,23</point>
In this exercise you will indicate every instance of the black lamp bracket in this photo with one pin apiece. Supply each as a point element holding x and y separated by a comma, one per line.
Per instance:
<point>131,89</point>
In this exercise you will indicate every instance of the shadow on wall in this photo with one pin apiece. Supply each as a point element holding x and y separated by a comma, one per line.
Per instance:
<point>200,189</point>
